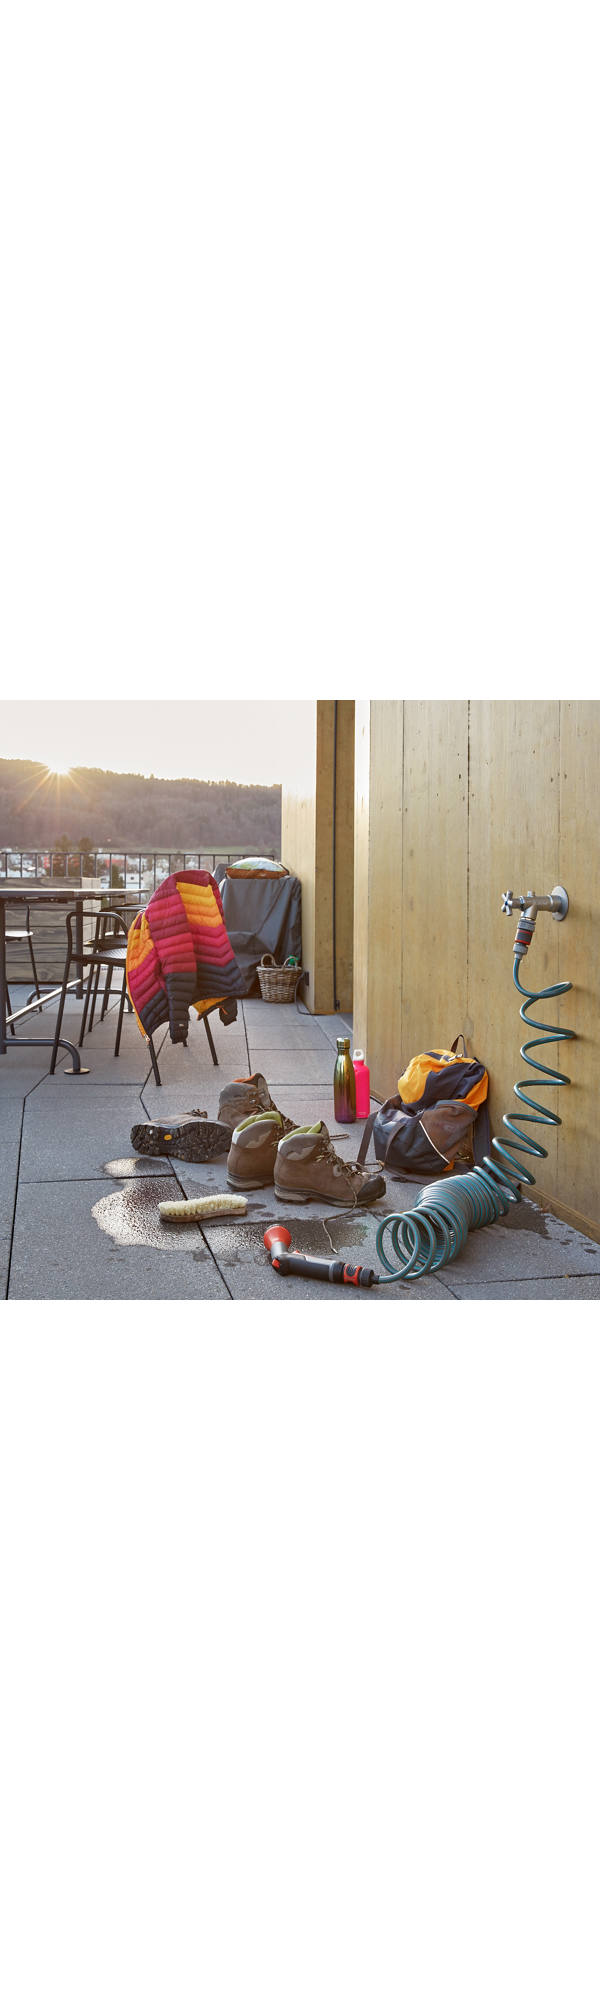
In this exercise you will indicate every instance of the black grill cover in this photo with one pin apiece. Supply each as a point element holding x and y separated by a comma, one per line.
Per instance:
<point>262,913</point>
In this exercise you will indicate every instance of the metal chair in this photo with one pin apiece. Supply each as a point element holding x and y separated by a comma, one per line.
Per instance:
<point>227,1012</point>
<point>108,947</point>
<point>20,937</point>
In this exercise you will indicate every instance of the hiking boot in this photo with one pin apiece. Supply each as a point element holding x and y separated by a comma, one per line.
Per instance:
<point>307,1168</point>
<point>254,1150</point>
<point>190,1137</point>
<point>245,1098</point>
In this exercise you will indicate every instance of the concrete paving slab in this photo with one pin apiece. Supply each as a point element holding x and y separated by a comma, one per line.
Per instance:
<point>73,1242</point>
<point>175,1061</point>
<point>318,1229</point>
<point>537,1246</point>
<point>528,1244</point>
<point>284,1027</point>
<point>66,1138</point>
<point>245,1265</point>
<point>309,1066</point>
<point>12,1114</point>
<point>131,1066</point>
<point>333,1025</point>
<point>19,1072</point>
<point>547,1289</point>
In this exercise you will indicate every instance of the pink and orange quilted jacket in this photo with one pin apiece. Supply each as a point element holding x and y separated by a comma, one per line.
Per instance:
<point>179,955</point>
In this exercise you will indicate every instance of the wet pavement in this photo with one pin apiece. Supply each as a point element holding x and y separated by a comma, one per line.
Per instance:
<point>79,1210</point>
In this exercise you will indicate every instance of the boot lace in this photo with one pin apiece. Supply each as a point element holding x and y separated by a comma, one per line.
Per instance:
<point>354,1174</point>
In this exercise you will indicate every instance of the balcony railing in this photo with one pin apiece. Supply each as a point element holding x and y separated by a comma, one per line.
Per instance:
<point>137,872</point>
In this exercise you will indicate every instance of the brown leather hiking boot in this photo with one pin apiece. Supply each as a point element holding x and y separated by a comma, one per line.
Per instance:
<point>245,1098</point>
<point>308,1169</point>
<point>253,1150</point>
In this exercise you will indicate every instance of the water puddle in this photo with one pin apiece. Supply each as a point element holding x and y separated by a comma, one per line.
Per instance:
<point>130,1215</point>
<point>333,1238</point>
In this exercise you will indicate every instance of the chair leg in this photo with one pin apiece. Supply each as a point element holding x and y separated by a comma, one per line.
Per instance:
<point>120,1017</point>
<point>210,1042</point>
<point>34,969</point>
<point>86,1005</point>
<point>153,1060</point>
<point>107,986</point>
<point>94,997</point>
<point>61,1009</point>
<point>10,1009</point>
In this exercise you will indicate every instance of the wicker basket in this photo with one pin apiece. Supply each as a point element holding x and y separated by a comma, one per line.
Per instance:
<point>277,982</point>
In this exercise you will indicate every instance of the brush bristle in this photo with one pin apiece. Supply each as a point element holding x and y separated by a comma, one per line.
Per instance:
<point>207,1204</point>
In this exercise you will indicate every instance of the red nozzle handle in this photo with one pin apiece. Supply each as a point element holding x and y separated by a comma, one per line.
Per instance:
<point>276,1238</point>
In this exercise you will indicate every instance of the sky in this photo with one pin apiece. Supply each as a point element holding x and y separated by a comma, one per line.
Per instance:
<point>245,741</point>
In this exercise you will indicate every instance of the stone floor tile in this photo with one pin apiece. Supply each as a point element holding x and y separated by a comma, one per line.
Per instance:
<point>66,1137</point>
<point>279,1065</point>
<point>547,1289</point>
<point>79,1242</point>
<point>284,1027</point>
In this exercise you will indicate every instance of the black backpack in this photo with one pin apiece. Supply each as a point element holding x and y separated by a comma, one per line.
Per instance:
<point>440,1107</point>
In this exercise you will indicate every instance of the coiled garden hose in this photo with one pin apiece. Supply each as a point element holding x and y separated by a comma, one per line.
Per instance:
<point>432,1234</point>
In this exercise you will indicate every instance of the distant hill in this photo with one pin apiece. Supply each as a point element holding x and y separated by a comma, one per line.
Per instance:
<point>118,810</point>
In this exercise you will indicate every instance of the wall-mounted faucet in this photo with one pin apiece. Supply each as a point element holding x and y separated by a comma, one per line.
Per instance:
<point>530,904</point>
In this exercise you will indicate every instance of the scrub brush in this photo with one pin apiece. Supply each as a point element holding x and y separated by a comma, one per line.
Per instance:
<point>203,1209</point>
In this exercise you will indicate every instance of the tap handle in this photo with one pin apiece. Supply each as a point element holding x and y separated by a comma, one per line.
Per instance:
<point>507,902</point>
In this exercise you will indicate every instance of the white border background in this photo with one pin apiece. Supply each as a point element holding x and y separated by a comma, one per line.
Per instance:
<point>299,377</point>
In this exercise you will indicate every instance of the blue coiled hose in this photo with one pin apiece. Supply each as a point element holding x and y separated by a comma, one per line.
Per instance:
<point>432,1234</point>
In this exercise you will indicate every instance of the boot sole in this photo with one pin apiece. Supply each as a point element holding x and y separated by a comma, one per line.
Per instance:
<point>312,1194</point>
<point>233,1181</point>
<point>196,1143</point>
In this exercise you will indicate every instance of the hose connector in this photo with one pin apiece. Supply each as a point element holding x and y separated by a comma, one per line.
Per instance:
<point>524,934</point>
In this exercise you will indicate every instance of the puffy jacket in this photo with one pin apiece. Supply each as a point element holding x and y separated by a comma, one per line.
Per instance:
<point>179,955</point>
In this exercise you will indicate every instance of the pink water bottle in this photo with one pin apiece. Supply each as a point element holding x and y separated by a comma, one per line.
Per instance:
<point>363,1084</point>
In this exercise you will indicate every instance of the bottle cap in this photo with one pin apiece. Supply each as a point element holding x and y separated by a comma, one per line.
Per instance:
<point>359,1055</point>
<point>343,1042</point>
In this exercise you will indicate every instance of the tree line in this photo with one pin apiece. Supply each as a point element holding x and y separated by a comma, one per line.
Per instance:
<point>121,811</point>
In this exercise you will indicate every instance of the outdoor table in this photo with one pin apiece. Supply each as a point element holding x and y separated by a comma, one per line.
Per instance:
<point>38,893</point>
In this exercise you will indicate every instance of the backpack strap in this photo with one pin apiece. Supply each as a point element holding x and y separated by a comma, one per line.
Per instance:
<point>366,1137</point>
<point>454,1046</point>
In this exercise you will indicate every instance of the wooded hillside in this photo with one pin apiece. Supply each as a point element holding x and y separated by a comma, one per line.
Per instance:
<point>123,811</point>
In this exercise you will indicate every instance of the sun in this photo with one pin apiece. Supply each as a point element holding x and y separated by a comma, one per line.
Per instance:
<point>58,770</point>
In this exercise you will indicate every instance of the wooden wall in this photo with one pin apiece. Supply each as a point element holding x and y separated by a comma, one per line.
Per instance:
<point>455,802</point>
<point>307,847</point>
<point>299,826</point>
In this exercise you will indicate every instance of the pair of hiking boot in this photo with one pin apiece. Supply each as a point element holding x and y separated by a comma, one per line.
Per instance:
<point>264,1148</point>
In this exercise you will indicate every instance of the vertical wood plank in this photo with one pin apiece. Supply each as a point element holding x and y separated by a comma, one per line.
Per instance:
<point>362,848</point>
<point>578,1179</point>
<point>324,998</point>
<point>513,844</point>
<point>434,898</point>
<point>385,940</point>
<point>298,828</point>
